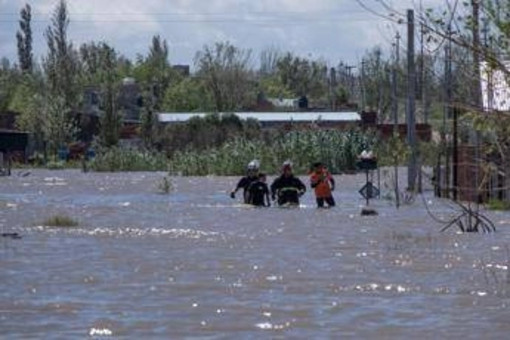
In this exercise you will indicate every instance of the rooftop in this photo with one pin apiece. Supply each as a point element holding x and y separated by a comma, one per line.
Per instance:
<point>176,117</point>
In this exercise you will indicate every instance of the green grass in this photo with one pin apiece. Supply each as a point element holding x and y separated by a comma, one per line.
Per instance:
<point>495,204</point>
<point>60,221</point>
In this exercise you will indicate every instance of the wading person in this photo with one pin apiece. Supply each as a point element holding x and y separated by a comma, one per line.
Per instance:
<point>252,173</point>
<point>287,188</point>
<point>258,192</point>
<point>323,184</point>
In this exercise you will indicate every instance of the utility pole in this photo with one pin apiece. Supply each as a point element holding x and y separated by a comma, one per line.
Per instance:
<point>423,70</point>
<point>477,89</point>
<point>363,99</point>
<point>456,153</point>
<point>447,113</point>
<point>394,97</point>
<point>411,103</point>
<point>378,82</point>
<point>394,79</point>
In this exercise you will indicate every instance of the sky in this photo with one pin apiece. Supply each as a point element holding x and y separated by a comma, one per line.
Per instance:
<point>332,30</point>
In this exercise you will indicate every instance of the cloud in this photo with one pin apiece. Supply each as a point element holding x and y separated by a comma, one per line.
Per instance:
<point>333,29</point>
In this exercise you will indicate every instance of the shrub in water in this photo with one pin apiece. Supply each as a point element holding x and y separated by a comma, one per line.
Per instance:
<point>165,185</point>
<point>60,221</point>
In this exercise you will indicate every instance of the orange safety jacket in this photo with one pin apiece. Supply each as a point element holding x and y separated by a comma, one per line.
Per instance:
<point>322,183</point>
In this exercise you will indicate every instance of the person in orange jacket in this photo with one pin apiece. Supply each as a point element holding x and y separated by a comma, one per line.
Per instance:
<point>323,184</point>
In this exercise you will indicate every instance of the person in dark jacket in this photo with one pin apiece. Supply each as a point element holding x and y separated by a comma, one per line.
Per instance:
<point>252,174</point>
<point>258,192</point>
<point>287,188</point>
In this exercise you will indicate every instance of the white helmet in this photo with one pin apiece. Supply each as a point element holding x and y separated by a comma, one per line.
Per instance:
<point>287,164</point>
<point>253,165</point>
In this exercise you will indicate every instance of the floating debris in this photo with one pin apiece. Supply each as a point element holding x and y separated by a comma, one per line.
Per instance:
<point>14,236</point>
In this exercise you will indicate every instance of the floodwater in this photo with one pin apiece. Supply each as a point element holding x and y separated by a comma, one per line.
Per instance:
<point>198,264</point>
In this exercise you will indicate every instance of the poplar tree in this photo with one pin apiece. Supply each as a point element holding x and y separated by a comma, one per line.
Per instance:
<point>24,39</point>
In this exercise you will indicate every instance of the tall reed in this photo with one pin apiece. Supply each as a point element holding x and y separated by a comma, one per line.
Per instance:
<point>337,149</point>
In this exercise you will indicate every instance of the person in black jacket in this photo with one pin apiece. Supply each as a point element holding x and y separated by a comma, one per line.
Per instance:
<point>252,174</point>
<point>287,188</point>
<point>258,192</point>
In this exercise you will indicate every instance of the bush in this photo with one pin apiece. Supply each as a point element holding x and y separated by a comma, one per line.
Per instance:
<point>60,221</point>
<point>165,185</point>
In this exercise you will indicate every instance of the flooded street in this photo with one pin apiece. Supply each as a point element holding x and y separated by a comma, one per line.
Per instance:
<point>196,263</point>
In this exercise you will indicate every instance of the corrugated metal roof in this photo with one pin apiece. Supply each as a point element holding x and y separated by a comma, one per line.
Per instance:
<point>175,117</point>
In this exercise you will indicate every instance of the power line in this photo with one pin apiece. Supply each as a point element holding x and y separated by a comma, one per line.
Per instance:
<point>181,13</point>
<point>207,20</point>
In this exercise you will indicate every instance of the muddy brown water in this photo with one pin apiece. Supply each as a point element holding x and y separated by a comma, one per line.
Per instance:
<point>197,264</point>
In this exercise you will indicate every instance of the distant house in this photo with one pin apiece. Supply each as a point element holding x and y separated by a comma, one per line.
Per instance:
<point>130,100</point>
<point>13,144</point>
<point>129,104</point>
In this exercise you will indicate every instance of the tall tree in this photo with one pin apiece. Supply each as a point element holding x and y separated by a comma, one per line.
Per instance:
<point>154,71</point>
<point>147,120</point>
<point>95,61</point>
<point>9,79</point>
<point>302,76</point>
<point>225,70</point>
<point>377,82</point>
<point>24,38</point>
<point>111,121</point>
<point>61,64</point>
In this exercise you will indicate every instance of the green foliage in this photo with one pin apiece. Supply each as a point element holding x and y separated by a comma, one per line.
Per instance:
<point>28,102</point>
<point>393,151</point>
<point>337,149</point>
<point>58,128</point>
<point>122,159</point>
<point>60,221</point>
<point>429,152</point>
<point>495,204</point>
<point>56,165</point>
<point>147,120</point>
<point>111,121</point>
<point>272,86</point>
<point>24,39</point>
<point>202,133</point>
<point>99,61</point>
<point>9,80</point>
<point>301,76</point>
<point>61,64</point>
<point>225,71</point>
<point>154,71</point>
<point>188,95</point>
<point>376,81</point>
